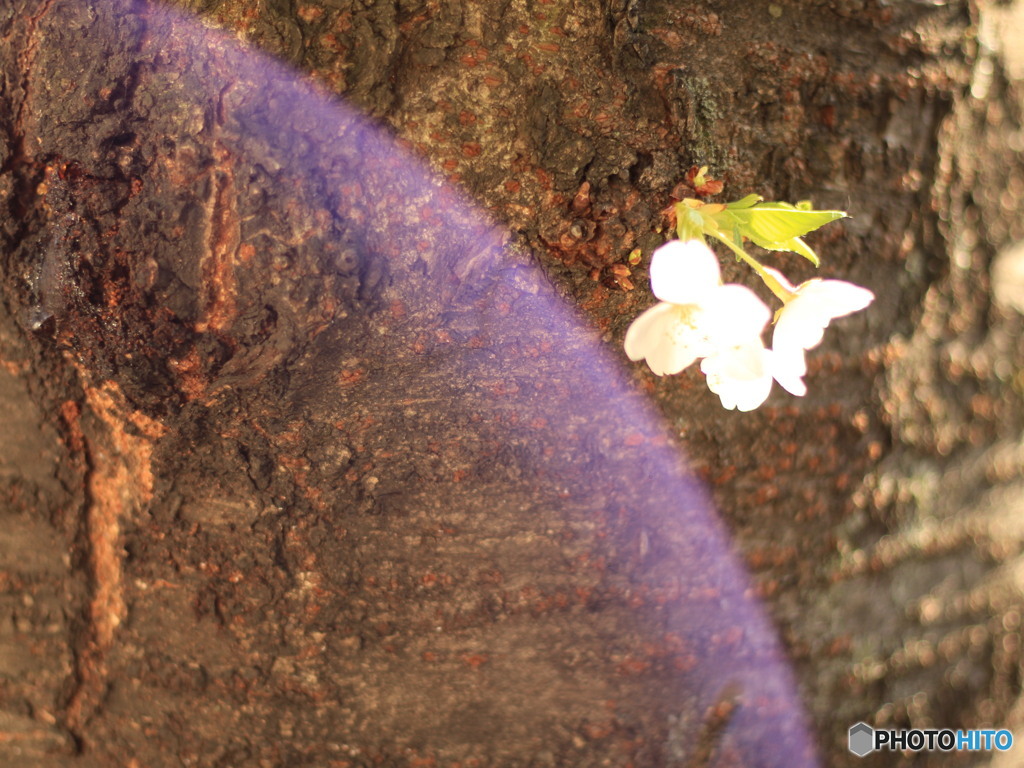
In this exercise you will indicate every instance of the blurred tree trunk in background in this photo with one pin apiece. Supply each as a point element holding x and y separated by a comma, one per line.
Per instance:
<point>278,449</point>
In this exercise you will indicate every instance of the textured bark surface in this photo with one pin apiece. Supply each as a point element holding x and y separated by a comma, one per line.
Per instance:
<point>306,463</point>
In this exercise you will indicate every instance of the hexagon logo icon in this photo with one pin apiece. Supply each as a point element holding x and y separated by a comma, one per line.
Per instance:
<point>862,739</point>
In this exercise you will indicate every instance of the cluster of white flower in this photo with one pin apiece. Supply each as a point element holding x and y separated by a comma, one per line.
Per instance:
<point>700,318</point>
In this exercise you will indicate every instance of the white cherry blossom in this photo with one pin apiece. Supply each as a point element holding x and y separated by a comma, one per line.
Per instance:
<point>698,317</point>
<point>802,322</point>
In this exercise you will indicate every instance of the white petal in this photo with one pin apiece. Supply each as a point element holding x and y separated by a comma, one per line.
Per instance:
<point>803,320</point>
<point>642,332</point>
<point>838,297</point>
<point>665,336</point>
<point>684,271</point>
<point>740,376</point>
<point>799,327</point>
<point>788,367</point>
<point>734,314</point>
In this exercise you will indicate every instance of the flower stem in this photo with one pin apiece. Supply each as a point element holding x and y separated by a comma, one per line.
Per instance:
<point>773,285</point>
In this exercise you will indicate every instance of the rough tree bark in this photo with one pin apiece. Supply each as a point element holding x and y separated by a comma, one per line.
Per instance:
<point>305,463</point>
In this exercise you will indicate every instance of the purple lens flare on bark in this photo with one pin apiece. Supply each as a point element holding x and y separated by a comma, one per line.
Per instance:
<point>394,288</point>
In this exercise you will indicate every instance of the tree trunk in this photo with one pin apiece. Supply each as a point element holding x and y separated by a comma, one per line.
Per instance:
<point>318,456</point>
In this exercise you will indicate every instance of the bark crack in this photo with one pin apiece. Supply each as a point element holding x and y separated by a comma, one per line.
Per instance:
<point>120,482</point>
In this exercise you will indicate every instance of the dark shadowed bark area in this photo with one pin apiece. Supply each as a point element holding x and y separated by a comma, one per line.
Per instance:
<point>318,446</point>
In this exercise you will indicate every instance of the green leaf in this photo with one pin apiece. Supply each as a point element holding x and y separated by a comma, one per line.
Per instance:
<point>793,245</point>
<point>779,222</point>
<point>745,202</point>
